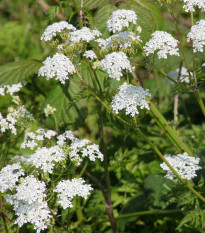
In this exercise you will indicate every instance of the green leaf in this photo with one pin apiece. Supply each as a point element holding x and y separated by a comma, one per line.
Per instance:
<point>158,187</point>
<point>101,17</point>
<point>148,16</point>
<point>16,72</point>
<point>68,111</point>
<point>90,4</point>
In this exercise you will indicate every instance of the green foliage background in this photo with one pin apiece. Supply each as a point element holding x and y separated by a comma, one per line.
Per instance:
<point>138,183</point>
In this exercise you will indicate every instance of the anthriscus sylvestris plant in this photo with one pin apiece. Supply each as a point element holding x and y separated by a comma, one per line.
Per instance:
<point>46,182</point>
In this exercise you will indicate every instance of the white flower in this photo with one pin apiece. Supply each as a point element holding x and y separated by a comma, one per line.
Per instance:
<point>90,54</point>
<point>101,43</point>
<point>39,135</point>
<point>183,164</point>
<point>189,5</point>
<point>2,90</point>
<point>84,34</point>
<point>82,148</point>
<point>13,88</point>
<point>120,19</point>
<point>49,110</point>
<point>10,89</point>
<point>197,34</point>
<point>123,40</point>
<point>29,203</point>
<point>58,66</point>
<point>67,190</point>
<point>51,30</point>
<point>130,98</point>
<point>162,41</point>
<point>17,117</point>
<point>45,158</point>
<point>114,63</point>
<point>9,175</point>
<point>63,137</point>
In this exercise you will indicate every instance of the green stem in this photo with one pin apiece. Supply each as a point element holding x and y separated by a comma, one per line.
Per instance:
<point>170,133</point>
<point>147,212</point>
<point>79,11</point>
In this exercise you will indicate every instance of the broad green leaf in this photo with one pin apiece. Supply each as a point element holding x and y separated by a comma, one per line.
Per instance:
<point>16,72</point>
<point>90,4</point>
<point>148,16</point>
<point>159,187</point>
<point>101,17</point>
<point>68,111</point>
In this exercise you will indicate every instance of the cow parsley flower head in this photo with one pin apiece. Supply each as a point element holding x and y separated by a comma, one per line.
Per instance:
<point>84,34</point>
<point>197,34</point>
<point>67,190</point>
<point>90,54</point>
<point>190,4</point>
<point>114,63</point>
<point>130,98</point>
<point>162,42</point>
<point>59,67</point>
<point>52,30</point>
<point>32,139</point>
<point>46,158</point>
<point>120,19</point>
<point>9,175</point>
<point>83,148</point>
<point>186,166</point>
<point>16,117</point>
<point>29,203</point>
<point>10,89</point>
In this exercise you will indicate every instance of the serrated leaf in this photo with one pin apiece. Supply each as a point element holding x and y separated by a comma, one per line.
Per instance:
<point>90,4</point>
<point>101,17</point>
<point>16,72</point>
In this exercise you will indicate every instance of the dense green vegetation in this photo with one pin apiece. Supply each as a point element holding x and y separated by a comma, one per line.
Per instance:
<point>142,199</point>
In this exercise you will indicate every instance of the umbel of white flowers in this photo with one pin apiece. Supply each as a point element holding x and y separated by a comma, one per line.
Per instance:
<point>130,98</point>
<point>186,166</point>
<point>197,35</point>
<point>163,43</point>
<point>190,4</point>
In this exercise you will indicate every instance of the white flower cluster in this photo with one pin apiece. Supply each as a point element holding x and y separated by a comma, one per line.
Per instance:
<point>197,34</point>
<point>164,42</point>
<point>90,54</point>
<point>84,34</point>
<point>58,66</point>
<point>46,158</point>
<point>29,203</point>
<point>184,76</point>
<point>11,89</point>
<point>31,138</point>
<point>123,40</point>
<point>14,118</point>
<point>114,63</point>
<point>51,30</point>
<point>80,148</point>
<point>130,98</point>
<point>9,175</point>
<point>190,4</point>
<point>120,19</point>
<point>183,164</point>
<point>67,190</point>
